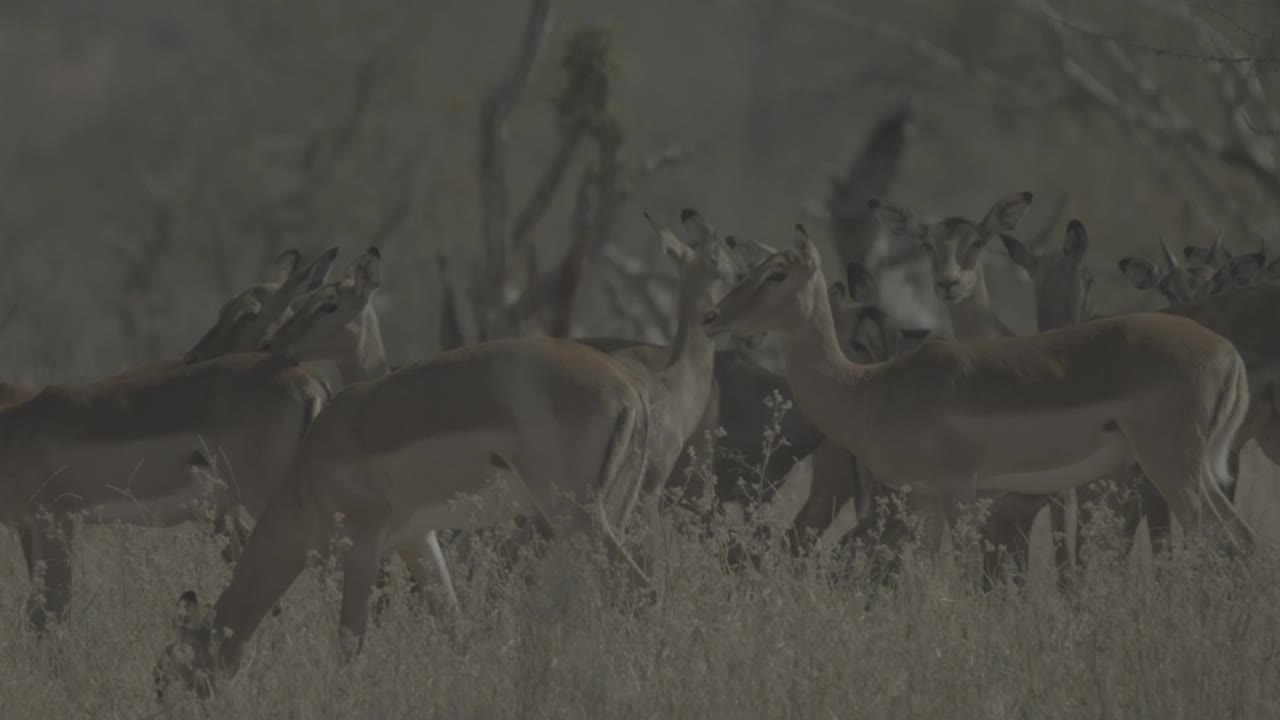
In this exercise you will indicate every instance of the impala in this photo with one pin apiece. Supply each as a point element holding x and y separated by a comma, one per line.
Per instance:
<point>1034,415</point>
<point>246,319</point>
<point>955,245</point>
<point>1063,289</point>
<point>868,335</point>
<point>1205,274</point>
<point>121,450</point>
<point>1245,316</point>
<point>239,322</point>
<point>742,471</point>
<point>569,428</point>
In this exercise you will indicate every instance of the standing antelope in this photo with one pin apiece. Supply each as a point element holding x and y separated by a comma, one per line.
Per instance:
<point>1063,289</point>
<point>240,327</point>
<point>1246,317</point>
<point>562,418</point>
<point>954,245</point>
<point>1035,415</point>
<point>735,404</point>
<point>246,320</point>
<point>867,335</point>
<point>120,449</point>
<point>1206,273</point>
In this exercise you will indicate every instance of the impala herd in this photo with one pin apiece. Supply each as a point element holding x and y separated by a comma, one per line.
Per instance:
<point>576,435</point>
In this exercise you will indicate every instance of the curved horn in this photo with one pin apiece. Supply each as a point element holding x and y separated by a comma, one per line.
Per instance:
<point>1169,259</point>
<point>1216,248</point>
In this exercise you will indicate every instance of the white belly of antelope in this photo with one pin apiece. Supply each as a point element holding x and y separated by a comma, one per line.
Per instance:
<point>1048,453</point>
<point>452,482</point>
<point>136,471</point>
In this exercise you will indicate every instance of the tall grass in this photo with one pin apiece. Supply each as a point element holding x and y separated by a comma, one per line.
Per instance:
<point>1192,635</point>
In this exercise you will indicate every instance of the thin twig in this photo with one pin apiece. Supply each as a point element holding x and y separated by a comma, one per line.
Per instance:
<point>495,195</point>
<point>936,54</point>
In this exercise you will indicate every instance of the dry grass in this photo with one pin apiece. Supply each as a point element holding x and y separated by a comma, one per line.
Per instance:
<point>1197,638</point>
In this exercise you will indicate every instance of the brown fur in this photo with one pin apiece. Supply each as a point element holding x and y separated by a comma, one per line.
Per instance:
<point>922,419</point>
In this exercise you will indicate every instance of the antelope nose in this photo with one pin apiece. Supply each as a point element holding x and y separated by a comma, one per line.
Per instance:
<point>710,316</point>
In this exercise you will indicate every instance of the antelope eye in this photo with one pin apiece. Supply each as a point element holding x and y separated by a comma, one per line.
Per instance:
<point>777,277</point>
<point>327,308</point>
<point>858,345</point>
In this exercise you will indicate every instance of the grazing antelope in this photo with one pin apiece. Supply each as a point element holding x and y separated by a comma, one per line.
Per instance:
<point>1035,415</point>
<point>556,417</point>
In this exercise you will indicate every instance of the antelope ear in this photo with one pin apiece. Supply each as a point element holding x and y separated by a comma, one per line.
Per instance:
<point>365,273</point>
<point>897,219</point>
<point>837,293</point>
<point>282,267</point>
<point>1140,272</point>
<point>317,273</point>
<point>1170,260</point>
<point>672,246</point>
<point>1018,253</point>
<point>1076,241</point>
<point>700,231</point>
<point>804,247</point>
<point>748,253</point>
<point>862,284</point>
<point>1245,269</point>
<point>1003,217</point>
<point>1218,252</point>
<point>1272,271</point>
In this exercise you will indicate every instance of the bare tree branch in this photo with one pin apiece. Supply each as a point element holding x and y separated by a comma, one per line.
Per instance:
<point>633,286</point>
<point>941,58</point>
<point>318,162</point>
<point>652,165</point>
<point>545,189</point>
<point>1156,115</point>
<point>495,196</point>
<point>1233,57</point>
